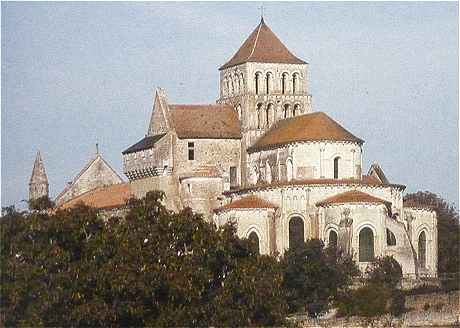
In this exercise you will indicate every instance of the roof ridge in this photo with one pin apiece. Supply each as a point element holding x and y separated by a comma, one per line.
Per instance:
<point>255,42</point>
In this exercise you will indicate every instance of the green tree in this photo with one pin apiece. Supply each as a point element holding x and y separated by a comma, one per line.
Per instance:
<point>41,204</point>
<point>448,229</point>
<point>313,276</point>
<point>151,268</point>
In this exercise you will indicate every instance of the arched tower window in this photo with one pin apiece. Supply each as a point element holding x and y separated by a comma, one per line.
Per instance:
<point>336,167</point>
<point>391,239</point>
<point>254,242</point>
<point>332,239</point>
<point>236,83</point>
<point>295,83</point>
<point>283,83</point>
<point>422,250</point>
<point>296,110</point>
<point>290,169</point>
<point>296,232</point>
<point>259,116</point>
<point>268,82</point>
<point>258,78</point>
<point>366,245</point>
<point>287,109</point>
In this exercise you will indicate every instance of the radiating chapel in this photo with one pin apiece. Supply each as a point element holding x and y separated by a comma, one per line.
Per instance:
<point>263,158</point>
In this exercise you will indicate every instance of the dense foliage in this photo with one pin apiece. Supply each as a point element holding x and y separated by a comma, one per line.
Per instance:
<point>313,275</point>
<point>448,229</point>
<point>152,268</point>
<point>379,294</point>
<point>41,204</point>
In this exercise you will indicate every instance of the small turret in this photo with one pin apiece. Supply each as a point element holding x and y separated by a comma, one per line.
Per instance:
<point>38,184</point>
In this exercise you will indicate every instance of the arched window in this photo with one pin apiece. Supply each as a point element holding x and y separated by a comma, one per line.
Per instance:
<point>254,242</point>
<point>287,108</point>
<point>236,83</point>
<point>422,250</point>
<point>336,167</point>
<point>295,82</point>
<point>268,114</point>
<point>290,169</point>
<point>283,83</point>
<point>258,76</point>
<point>332,239</point>
<point>296,232</point>
<point>296,110</point>
<point>268,81</point>
<point>366,245</point>
<point>391,239</point>
<point>259,116</point>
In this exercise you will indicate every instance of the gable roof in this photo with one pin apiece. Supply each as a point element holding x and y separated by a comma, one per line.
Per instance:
<point>249,202</point>
<point>85,169</point>
<point>309,127</point>
<point>353,196</point>
<point>103,197</point>
<point>146,143</point>
<point>262,46</point>
<point>376,171</point>
<point>205,121</point>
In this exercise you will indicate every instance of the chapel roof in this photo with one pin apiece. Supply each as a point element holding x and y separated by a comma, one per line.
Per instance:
<point>102,197</point>
<point>262,46</point>
<point>249,202</point>
<point>353,196</point>
<point>146,143</point>
<point>316,126</point>
<point>412,203</point>
<point>205,121</point>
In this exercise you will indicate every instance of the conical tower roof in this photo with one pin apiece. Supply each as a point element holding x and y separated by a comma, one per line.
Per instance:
<point>38,172</point>
<point>262,46</point>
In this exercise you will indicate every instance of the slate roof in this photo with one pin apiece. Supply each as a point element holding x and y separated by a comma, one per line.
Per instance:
<point>316,126</point>
<point>247,203</point>
<point>205,121</point>
<point>353,196</point>
<point>145,143</point>
<point>103,197</point>
<point>262,46</point>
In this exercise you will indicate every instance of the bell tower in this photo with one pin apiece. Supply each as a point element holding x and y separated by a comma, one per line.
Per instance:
<point>38,184</point>
<point>264,82</point>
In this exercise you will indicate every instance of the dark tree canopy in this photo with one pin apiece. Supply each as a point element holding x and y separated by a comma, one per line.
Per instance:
<point>153,268</point>
<point>448,229</point>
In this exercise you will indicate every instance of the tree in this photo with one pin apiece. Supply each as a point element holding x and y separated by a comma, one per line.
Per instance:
<point>41,204</point>
<point>151,268</point>
<point>448,229</point>
<point>313,276</point>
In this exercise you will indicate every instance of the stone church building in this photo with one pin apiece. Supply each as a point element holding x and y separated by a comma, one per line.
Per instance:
<point>262,158</point>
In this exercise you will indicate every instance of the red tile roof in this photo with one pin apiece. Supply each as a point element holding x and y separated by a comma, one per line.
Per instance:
<point>353,196</point>
<point>262,46</point>
<point>103,197</point>
<point>309,127</point>
<point>247,203</point>
<point>205,121</point>
<point>417,205</point>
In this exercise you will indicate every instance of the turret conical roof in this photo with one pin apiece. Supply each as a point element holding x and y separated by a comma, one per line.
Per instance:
<point>38,172</point>
<point>262,46</point>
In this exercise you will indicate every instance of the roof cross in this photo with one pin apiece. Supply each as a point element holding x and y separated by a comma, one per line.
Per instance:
<point>262,8</point>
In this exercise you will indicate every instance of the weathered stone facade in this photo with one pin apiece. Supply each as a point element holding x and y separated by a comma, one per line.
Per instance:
<point>262,158</point>
<point>38,184</point>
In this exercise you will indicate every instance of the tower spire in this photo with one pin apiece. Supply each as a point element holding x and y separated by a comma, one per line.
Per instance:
<point>38,184</point>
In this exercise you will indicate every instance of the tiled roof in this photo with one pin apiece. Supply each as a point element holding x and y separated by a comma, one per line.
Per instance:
<point>376,170</point>
<point>205,121</point>
<point>353,196</point>
<point>247,202</point>
<point>371,182</point>
<point>145,143</point>
<point>103,197</point>
<point>262,46</point>
<point>309,127</point>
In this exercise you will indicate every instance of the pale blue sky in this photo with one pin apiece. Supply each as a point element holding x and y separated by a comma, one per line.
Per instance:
<point>74,74</point>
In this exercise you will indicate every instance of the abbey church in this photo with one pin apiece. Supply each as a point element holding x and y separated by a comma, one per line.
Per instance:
<point>263,158</point>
